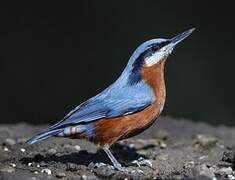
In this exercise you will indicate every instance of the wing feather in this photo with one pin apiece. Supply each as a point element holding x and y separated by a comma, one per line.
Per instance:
<point>108,104</point>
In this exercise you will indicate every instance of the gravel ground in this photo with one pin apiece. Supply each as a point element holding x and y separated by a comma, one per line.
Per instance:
<point>170,149</point>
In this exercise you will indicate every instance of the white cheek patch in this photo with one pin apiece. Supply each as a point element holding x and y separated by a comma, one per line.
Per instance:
<point>157,56</point>
<point>154,58</point>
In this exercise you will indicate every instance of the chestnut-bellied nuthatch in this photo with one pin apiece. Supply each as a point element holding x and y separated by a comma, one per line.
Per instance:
<point>128,106</point>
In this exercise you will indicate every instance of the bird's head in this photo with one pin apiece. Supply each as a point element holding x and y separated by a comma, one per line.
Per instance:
<point>152,52</point>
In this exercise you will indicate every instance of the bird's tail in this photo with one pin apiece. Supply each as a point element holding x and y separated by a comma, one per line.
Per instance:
<point>43,135</point>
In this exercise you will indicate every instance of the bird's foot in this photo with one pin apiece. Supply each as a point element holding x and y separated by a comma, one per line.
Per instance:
<point>97,165</point>
<point>115,166</point>
<point>142,162</point>
<point>119,167</point>
<point>127,170</point>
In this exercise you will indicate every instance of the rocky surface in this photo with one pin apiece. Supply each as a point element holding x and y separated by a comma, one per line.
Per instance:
<point>170,149</point>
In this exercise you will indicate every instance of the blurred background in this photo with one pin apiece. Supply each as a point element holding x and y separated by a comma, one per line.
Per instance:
<point>54,57</point>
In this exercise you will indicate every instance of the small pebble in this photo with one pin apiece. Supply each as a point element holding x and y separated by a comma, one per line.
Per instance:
<point>163,157</point>
<point>7,169</point>
<point>226,170</point>
<point>33,178</point>
<point>231,176</point>
<point>162,144</point>
<point>46,171</point>
<point>84,177</point>
<point>21,140</point>
<point>5,149</point>
<point>77,147</point>
<point>202,157</point>
<point>52,151</point>
<point>9,142</point>
<point>13,164</point>
<point>30,164</point>
<point>105,171</point>
<point>131,145</point>
<point>68,146</point>
<point>38,166</point>
<point>89,177</point>
<point>60,175</point>
<point>203,170</point>
<point>188,165</point>
<point>22,149</point>
<point>35,172</point>
<point>205,141</point>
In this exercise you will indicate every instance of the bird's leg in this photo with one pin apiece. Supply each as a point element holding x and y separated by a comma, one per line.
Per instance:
<point>116,164</point>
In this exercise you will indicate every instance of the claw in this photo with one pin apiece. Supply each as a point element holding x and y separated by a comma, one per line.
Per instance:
<point>142,162</point>
<point>137,171</point>
<point>97,165</point>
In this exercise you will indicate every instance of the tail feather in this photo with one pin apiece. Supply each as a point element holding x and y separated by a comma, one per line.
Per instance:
<point>43,135</point>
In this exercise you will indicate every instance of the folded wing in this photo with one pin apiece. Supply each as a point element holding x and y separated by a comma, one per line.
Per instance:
<point>108,104</point>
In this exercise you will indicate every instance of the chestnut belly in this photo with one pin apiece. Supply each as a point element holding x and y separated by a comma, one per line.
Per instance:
<point>108,131</point>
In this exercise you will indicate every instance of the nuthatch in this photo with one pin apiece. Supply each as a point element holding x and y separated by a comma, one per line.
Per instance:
<point>127,107</point>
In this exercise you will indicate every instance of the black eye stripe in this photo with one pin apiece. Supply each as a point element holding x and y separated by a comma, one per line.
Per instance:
<point>158,46</point>
<point>135,76</point>
<point>155,48</point>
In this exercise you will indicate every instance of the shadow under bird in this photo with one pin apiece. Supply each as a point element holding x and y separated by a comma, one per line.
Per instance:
<point>127,107</point>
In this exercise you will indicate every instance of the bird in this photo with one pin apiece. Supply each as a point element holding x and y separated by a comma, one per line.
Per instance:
<point>125,108</point>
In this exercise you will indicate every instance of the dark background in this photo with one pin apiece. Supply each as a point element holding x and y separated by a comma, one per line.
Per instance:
<point>56,56</point>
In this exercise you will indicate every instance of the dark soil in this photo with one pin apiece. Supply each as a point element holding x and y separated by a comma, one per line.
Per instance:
<point>177,149</point>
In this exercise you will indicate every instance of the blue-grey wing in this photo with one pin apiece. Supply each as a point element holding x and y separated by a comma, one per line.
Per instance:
<point>109,104</point>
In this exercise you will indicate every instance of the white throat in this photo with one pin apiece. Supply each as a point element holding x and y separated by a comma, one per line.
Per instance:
<point>157,56</point>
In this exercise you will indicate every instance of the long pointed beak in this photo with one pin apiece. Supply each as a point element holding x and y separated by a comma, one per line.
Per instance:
<point>167,49</point>
<point>177,39</point>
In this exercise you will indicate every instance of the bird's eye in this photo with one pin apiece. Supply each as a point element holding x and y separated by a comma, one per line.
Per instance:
<point>155,48</point>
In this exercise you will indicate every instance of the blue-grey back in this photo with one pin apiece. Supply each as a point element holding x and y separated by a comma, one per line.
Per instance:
<point>116,100</point>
